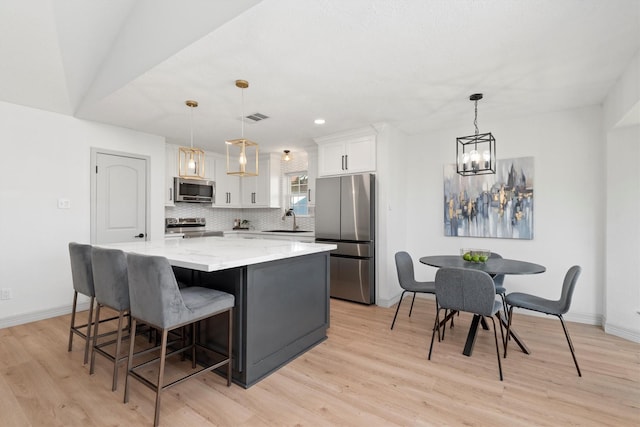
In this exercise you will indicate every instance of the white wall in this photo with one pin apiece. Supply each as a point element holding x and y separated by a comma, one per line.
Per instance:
<point>622,124</point>
<point>569,184</point>
<point>623,99</point>
<point>391,211</point>
<point>623,233</point>
<point>45,156</point>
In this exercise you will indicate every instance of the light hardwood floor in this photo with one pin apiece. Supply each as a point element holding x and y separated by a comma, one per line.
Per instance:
<point>363,375</point>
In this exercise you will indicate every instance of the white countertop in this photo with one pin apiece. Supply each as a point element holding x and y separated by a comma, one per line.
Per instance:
<point>219,253</point>
<point>275,233</point>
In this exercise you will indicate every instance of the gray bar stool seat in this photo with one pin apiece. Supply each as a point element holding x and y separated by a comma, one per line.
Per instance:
<point>156,300</point>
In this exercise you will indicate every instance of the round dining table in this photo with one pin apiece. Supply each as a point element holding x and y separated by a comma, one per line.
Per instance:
<point>493,267</point>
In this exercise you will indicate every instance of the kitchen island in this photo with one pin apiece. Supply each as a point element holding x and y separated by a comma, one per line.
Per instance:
<point>281,290</point>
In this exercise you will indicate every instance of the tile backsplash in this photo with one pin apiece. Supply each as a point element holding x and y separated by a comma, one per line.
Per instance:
<point>222,218</point>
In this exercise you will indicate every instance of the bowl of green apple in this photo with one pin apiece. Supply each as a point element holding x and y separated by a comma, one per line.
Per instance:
<point>475,255</point>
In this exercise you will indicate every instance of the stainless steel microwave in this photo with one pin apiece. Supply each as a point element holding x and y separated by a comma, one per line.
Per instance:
<point>194,190</point>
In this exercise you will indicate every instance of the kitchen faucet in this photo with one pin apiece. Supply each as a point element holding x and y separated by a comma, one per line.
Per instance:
<point>290,212</point>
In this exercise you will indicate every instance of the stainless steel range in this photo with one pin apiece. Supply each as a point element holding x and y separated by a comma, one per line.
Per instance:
<point>190,227</point>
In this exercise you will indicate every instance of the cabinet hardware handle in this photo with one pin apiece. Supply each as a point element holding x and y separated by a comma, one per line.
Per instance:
<point>309,195</point>
<point>342,167</point>
<point>139,236</point>
<point>170,194</point>
<point>346,162</point>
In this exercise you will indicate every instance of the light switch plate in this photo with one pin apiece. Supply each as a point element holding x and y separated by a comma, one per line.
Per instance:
<point>64,204</point>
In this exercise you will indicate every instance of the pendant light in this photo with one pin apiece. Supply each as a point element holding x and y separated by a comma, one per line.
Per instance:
<point>191,160</point>
<point>242,153</point>
<point>476,154</point>
<point>287,156</point>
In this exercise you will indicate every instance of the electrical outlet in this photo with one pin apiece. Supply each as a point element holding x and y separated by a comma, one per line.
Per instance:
<point>64,204</point>
<point>5,293</point>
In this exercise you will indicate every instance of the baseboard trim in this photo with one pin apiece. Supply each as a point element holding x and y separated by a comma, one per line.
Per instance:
<point>625,333</point>
<point>386,303</point>
<point>21,319</point>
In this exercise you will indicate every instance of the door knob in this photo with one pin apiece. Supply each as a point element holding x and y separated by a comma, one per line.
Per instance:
<point>139,236</point>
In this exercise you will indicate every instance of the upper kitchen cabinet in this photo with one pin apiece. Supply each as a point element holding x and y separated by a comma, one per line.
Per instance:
<point>312,173</point>
<point>263,191</point>
<point>171,171</point>
<point>347,152</point>
<point>227,186</point>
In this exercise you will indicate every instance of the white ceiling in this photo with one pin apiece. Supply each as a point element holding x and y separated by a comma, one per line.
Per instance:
<point>411,63</point>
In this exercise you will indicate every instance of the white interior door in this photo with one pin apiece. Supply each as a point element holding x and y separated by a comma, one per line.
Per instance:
<point>120,198</point>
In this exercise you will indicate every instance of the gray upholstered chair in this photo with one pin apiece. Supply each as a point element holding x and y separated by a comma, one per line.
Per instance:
<point>406,277</point>
<point>156,300</point>
<point>82,277</point>
<point>498,281</point>
<point>551,307</point>
<point>112,290</point>
<point>472,291</point>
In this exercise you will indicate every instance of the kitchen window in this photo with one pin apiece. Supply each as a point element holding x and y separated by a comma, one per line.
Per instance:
<point>297,192</point>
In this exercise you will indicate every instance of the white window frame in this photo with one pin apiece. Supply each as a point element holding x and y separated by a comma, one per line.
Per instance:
<point>289,194</point>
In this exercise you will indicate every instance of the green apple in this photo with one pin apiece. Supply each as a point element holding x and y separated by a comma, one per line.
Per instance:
<point>475,258</point>
<point>467,256</point>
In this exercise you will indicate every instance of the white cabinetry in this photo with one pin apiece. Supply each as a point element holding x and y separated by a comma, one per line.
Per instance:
<point>209,167</point>
<point>312,173</point>
<point>347,153</point>
<point>171,171</point>
<point>263,191</point>
<point>227,186</point>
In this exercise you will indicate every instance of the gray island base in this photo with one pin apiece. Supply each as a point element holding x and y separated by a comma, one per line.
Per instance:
<point>281,311</point>
<point>281,291</point>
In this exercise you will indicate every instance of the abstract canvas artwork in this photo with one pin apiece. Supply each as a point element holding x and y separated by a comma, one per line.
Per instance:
<point>498,206</point>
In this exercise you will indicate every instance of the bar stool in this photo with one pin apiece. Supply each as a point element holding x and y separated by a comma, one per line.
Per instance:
<point>111,290</point>
<point>82,277</point>
<point>156,300</point>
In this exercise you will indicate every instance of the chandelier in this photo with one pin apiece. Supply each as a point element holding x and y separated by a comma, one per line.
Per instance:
<point>476,154</point>
<point>191,160</point>
<point>242,154</point>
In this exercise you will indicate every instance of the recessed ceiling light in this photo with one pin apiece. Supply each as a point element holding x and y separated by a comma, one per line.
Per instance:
<point>319,121</point>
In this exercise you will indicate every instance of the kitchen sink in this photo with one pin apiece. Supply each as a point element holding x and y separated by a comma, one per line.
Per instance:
<point>285,231</point>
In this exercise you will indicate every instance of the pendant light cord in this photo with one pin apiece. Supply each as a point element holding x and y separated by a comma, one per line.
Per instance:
<point>191,125</point>
<point>242,114</point>
<point>475,120</point>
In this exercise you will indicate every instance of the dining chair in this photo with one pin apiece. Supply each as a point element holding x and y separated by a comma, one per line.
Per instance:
<point>406,277</point>
<point>156,300</point>
<point>550,307</point>
<point>498,280</point>
<point>467,290</point>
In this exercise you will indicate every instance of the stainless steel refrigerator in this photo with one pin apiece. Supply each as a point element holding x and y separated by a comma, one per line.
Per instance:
<point>345,216</point>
